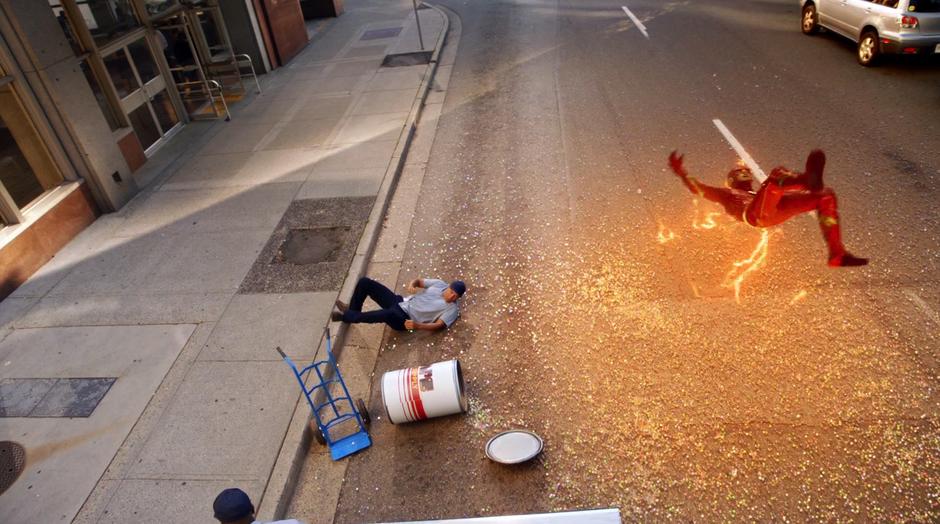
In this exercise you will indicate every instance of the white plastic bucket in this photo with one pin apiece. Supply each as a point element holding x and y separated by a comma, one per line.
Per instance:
<point>424,392</point>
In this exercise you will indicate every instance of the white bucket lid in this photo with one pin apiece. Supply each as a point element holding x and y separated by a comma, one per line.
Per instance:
<point>514,446</point>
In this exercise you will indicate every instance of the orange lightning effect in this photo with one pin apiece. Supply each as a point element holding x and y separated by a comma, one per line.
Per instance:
<point>706,223</point>
<point>797,297</point>
<point>742,268</point>
<point>665,234</point>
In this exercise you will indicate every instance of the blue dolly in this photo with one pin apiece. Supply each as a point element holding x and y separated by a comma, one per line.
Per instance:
<point>339,409</point>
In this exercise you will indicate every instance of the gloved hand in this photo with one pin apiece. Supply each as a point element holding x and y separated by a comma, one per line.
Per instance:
<point>675,163</point>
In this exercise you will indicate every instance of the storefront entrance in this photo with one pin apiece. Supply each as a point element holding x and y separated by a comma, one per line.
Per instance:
<point>202,62</point>
<point>142,90</point>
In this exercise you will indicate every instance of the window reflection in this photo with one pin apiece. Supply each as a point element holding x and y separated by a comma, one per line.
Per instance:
<point>121,73</point>
<point>143,60</point>
<point>66,26</point>
<point>144,126</point>
<point>26,170</point>
<point>106,109</point>
<point>211,32</point>
<point>108,19</point>
<point>155,7</point>
<point>16,175</point>
<point>163,107</point>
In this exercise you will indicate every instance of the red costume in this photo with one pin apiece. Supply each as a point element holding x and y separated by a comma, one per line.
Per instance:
<point>783,195</point>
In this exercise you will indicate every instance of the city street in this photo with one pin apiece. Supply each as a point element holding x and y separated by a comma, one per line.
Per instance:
<point>602,310</point>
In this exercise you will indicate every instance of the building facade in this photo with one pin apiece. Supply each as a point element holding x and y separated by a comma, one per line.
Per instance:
<point>90,89</point>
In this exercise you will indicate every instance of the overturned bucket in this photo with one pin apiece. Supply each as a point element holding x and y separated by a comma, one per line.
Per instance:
<point>424,392</point>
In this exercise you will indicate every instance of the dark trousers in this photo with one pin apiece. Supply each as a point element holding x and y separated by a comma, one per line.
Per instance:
<point>390,313</point>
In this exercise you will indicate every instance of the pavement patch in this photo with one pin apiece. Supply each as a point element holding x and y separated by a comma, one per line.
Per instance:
<point>18,396</point>
<point>365,51</point>
<point>311,245</point>
<point>407,59</point>
<point>376,34</point>
<point>73,397</point>
<point>50,397</point>
<point>311,248</point>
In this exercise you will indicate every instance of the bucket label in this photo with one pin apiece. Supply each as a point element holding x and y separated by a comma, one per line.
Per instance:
<point>426,380</point>
<point>417,407</point>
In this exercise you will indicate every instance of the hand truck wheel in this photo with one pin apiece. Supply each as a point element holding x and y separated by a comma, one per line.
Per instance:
<point>363,412</point>
<point>317,433</point>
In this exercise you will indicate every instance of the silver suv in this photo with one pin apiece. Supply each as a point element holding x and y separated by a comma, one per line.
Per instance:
<point>909,27</point>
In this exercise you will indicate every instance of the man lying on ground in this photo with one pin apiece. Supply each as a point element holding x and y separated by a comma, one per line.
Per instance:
<point>434,309</point>
<point>783,195</point>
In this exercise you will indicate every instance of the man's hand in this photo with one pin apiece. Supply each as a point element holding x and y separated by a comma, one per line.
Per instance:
<point>675,163</point>
<point>438,325</point>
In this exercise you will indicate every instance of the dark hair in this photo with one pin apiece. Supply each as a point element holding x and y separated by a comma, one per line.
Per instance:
<point>459,287</point>
<point>231,505</point>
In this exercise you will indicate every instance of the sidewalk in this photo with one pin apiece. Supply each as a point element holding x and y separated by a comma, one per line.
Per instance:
<point>160,321</point>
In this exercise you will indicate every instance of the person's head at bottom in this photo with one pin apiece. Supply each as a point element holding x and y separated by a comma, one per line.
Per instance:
<point>455,290</point>
<point>233,506</point>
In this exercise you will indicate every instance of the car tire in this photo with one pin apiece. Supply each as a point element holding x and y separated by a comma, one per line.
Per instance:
<point>810,20</point>
<point>869,49</point>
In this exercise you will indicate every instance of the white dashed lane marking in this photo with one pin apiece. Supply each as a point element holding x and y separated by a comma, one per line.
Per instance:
<point>739,149</point>
<point>923,306</point>
<point>636,21</point>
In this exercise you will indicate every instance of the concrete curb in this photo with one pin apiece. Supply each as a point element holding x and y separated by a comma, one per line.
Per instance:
<point>283,479</point>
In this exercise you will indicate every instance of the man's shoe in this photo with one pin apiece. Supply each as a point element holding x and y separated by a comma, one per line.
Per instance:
<point>341,306</point>
<point>847,260</point>
<point>336,316</point>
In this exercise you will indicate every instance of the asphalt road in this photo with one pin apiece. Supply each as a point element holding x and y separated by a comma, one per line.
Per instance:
<point>813,395</point>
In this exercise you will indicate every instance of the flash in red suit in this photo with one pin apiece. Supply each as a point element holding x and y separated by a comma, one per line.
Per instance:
<point>783,195</point>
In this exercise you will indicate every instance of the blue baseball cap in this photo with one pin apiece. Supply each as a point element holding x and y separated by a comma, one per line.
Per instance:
<point>232,504</point>
<point>459,287</point>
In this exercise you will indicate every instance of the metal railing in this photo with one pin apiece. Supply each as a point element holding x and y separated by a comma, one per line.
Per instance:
<point>209,90</point>
<point>239,59</point>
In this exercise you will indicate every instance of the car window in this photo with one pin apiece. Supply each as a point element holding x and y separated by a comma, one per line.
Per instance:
<point>924,6</point>
<point>893,4</point>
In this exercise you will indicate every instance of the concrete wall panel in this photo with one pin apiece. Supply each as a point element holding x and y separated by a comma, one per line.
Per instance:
<point>72,95</point>
<point>35,20</point>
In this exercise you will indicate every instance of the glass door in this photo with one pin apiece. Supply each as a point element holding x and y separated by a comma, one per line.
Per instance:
<point>183,60</point>
<point>142,90</point>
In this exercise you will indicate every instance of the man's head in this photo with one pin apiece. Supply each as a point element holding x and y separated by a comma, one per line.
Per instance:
<point>740,178</point>
<point>233,506</point>
<point>455,290</point>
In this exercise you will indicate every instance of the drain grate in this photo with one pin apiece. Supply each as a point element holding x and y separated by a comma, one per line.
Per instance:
<point>311,245</point>
<point>12,463</point>
<point>375,34</point>
<point>407,59</point>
